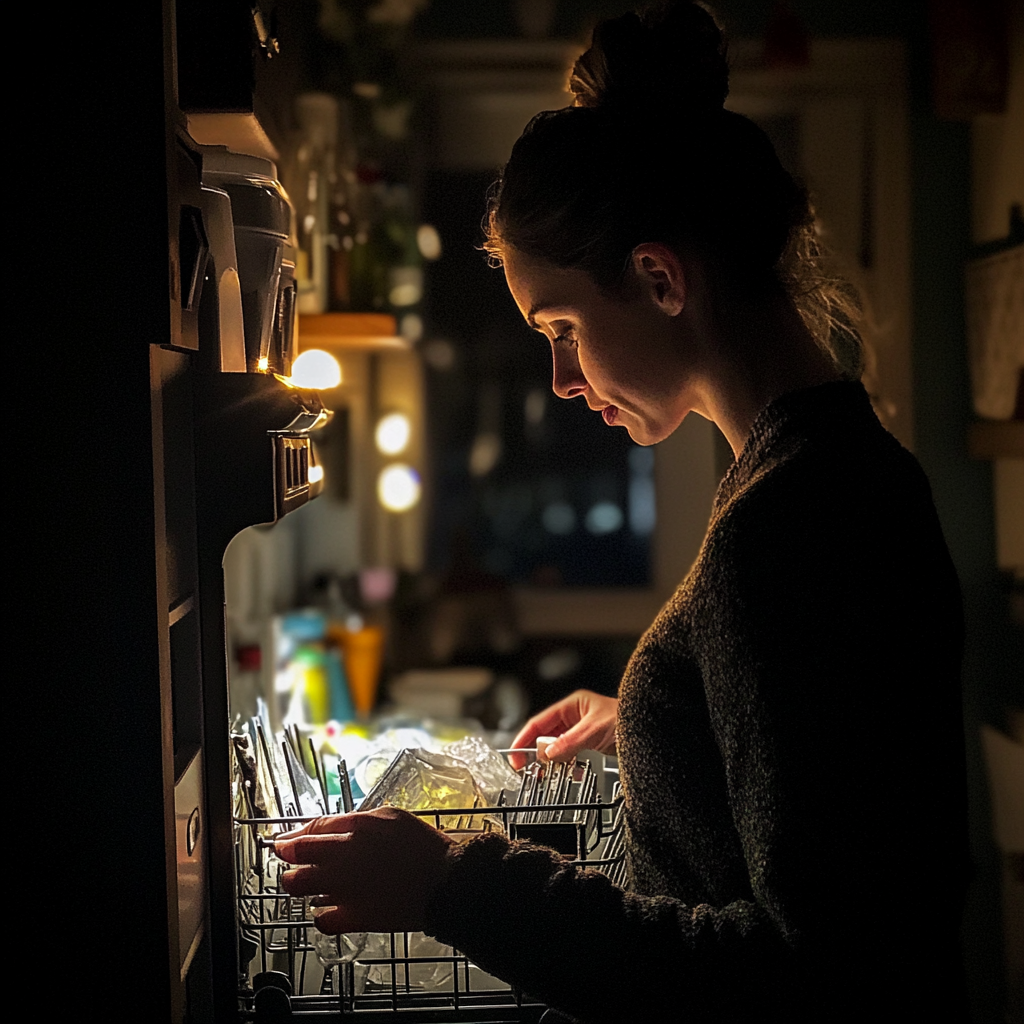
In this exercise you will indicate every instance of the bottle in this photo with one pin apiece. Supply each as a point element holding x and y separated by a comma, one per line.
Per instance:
<point>311,184</point>
<point>387,274</point>
<point>405,265</point>
<point>367,288</point>
<point>342,217</point>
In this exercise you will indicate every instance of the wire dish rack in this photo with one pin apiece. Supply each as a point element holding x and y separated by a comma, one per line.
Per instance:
<point>290,971</point>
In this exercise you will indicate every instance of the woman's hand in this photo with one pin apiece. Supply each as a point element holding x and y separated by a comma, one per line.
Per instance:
<point>582,721</point>
<point>377,870</point>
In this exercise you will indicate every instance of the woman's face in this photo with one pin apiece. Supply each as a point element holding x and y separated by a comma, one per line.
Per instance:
<point>623,355</point>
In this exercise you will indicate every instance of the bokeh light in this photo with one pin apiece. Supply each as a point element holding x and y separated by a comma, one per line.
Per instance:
<point>316,370</point>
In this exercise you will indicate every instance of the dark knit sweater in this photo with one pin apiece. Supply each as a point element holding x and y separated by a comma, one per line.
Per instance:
<point>790,743</point>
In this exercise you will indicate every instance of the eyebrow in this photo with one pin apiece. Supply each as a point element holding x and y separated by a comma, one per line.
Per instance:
<point>535,309</point>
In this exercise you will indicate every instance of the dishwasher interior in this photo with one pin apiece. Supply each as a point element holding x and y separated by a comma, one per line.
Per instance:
<point>291,971</point>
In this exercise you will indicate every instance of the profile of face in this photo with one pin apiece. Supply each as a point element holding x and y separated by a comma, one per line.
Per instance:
<point>628,355</point>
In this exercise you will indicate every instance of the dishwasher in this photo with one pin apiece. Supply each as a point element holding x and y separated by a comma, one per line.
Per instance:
<point>296,973</point>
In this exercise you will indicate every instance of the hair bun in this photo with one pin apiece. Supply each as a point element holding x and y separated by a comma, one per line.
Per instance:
<point>667,58</point>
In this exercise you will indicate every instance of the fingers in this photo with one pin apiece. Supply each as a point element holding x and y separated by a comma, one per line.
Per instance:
<point>308,881</point>
<point>570,743</point>
<point>335,921</point>
<point>527,736</point>
<point>595,729</point>
<point>317,839</point>
<point>552,721</point>
<point>563,748</point>
<point>378,875</point>
<point>334,823</point>
<point>580,721</point>
<point>313,849</point>
<point>518,760</point>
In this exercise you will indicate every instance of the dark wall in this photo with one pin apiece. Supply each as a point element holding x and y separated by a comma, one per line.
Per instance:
<point>470,19</point>
<point>963,495</point>
<point>90,177</point>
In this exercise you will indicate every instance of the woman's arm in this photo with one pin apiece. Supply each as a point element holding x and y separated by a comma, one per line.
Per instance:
<point>567,936</point>
<point>562,934</point>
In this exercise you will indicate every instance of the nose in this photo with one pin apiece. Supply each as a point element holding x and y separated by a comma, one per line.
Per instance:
<point>567,379</point>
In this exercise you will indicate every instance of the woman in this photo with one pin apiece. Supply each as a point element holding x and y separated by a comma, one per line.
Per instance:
<point>789,727</point>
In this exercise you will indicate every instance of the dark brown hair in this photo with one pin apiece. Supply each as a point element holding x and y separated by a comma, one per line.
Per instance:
<point>649,154</point>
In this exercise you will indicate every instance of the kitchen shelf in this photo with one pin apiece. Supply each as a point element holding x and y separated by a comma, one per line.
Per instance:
<point>997,439</point>
<point>353,332</point>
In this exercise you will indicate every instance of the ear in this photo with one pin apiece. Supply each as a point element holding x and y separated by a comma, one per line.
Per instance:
<point>662,275</point>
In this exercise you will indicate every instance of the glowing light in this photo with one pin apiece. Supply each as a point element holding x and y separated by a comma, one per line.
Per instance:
<point>429,242</point>
<point>405,286</point>
<point>263,363</point>
<point>643,512</point>
<point>484,454</point>
<point>398,487</point>
<point>315,369</point>
<point>535,406</point>
<point>393,432</point>
<point>316,474</point>
<point>641,504</point>
<point>405,294</point>
<point>411,327</point>
<point>439,354</point>
<point>604,517</point>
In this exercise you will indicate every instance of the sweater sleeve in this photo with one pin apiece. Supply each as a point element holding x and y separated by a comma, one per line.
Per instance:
<point>570,938</point>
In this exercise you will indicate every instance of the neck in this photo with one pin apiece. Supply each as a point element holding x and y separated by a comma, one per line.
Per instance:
<point>759,353</point>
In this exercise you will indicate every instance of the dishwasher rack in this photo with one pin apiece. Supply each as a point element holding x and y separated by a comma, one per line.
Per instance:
<point>289,971</point>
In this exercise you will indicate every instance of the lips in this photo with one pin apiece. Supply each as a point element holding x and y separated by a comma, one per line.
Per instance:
<point>610,413</point>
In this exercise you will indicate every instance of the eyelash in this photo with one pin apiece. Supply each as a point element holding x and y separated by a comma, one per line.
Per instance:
<point>566,337</point>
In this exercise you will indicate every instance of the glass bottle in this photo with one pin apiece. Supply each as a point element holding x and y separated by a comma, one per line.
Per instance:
<point>311,185</point>
<point>342,216</point>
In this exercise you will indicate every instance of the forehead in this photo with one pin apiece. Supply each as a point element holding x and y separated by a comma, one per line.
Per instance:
<point>542,290</point>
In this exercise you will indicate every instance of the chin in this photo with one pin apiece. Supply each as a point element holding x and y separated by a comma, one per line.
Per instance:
<point>646,434</point>
<point>642,436</point>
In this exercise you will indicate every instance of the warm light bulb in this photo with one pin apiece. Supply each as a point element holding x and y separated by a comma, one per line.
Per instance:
<point>398,487</point>
<point>262,363</point>
<point>405,286</point>
<point>393,433</point>
<point>316,370</point>
<point>428,242</point>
